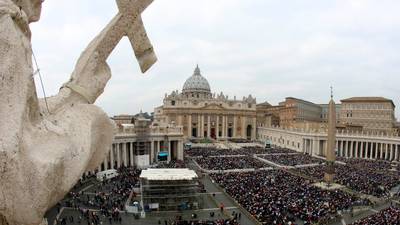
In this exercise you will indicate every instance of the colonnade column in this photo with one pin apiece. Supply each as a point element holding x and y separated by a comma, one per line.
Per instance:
<point>254,130</point>
<point>387,151</point>
<point>169,150</point>
<point>234,126</point>
<point>391,153</point>
<point>112,155</point>
<point>244,133</point>
<point>180,150</point>
<point>337,148</point>
<point>118,155</point>
<point>357,149</point>
<point>125,163</point>
<point>371,150</point>
<point>341,149</point>
<point>151,152</point>
<point>396,153</point>
<point>131,153</point>
<point>376,149</point>
<point>198,125</point>
<point>351,149</point>
<point>217,129</point>
<point>224,126</point>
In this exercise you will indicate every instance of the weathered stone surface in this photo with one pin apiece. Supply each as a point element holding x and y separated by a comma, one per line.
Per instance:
<point>44,152</point>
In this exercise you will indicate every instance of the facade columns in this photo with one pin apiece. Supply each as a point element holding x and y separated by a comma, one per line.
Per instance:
<point>376,149</point>
<point>224,126</point>
<point>244,133</point>
<point>189,126</point>
<point>198,125</point>
<point>202,126</point>
<point>209,126</point>
<point>180,120</point>
<point>254,130</point>
<point>396,153</point>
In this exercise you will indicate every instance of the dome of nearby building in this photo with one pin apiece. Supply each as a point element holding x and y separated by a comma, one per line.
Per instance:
<point>196,83</point>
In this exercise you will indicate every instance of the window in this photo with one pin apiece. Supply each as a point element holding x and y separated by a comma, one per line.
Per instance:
<point>172,102</point>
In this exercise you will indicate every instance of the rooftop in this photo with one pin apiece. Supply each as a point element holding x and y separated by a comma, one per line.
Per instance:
<point>367,99</point>
<point>168,174</point>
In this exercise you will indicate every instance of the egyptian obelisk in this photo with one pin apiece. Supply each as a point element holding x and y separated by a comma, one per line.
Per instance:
<point>330,153</point>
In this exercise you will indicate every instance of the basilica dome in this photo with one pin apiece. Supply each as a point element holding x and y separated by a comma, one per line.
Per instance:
<point>196,83</point>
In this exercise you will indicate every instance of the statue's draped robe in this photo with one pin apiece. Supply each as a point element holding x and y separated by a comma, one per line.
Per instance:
<point>41,155</point>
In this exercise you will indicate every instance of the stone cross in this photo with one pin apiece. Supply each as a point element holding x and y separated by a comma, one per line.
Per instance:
<point>127,22</point>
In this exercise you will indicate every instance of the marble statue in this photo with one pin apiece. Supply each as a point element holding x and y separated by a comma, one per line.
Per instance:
<point>45,149</point>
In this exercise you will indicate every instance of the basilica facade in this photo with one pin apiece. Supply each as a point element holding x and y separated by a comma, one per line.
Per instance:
<point>204,114</point>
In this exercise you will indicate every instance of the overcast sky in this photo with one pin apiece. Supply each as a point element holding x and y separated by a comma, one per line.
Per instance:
<point>271,49</point>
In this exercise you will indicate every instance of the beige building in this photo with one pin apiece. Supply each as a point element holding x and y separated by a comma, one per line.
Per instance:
<point>141,143</point>
<point>268,115</point>
<point>371,114</point>
<point>299,113</point>
<point>203,114</point>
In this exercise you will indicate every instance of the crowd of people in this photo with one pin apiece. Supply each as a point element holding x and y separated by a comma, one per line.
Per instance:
<point>206,222</point>
<point>389,216</point>
<point>367,178</point>
<point>207,152</point>
<point>171,164</point>
<point>292,159</point>
<point>279,151</point>
<point>108,195</point>
<point>230,163</point>
<point>277,197</point>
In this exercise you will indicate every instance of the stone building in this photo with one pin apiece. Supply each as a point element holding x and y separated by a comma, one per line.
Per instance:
<point>371,114</point>
<point>142,142</point>
<point>324,112</point>
<point>204,114</point>
<point>299,113</point>
<point>268,115</point>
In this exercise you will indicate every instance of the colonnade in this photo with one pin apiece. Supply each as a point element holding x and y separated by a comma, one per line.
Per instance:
<point>347,145</point>
<point>141,154</point>
<point>220,127</point>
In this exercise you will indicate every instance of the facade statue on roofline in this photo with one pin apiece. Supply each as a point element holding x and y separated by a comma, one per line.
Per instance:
<point>46,147</point>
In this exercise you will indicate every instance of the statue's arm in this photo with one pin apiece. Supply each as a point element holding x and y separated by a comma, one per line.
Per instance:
<point>91,72</point>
